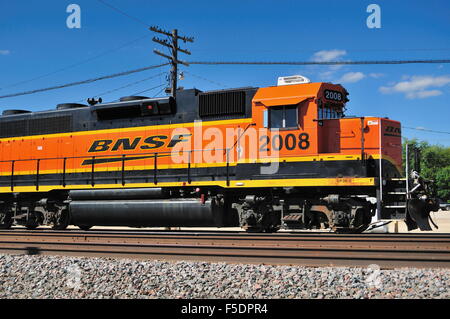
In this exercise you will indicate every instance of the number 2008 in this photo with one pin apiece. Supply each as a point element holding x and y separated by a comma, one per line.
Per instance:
<point>290,142</point>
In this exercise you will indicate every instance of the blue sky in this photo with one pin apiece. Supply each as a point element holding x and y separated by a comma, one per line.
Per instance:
<point>35,41</point>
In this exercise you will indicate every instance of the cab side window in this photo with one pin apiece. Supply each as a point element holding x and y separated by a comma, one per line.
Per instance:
<point>328,112</point>
<point>283,117</point>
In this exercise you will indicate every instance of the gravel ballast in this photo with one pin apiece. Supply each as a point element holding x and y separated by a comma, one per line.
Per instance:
<point>23,276</point>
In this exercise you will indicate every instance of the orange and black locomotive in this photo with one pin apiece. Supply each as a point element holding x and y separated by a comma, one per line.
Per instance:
<point>261,158</point>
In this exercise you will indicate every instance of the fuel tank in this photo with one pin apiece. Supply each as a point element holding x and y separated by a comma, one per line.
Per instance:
<point>116,194</point>
<point>186,212</point>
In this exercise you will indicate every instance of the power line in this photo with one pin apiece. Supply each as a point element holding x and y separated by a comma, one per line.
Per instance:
<point>423,129</point>
<point>205,79</point>
<point>93,58</point>
<point>227,63</point>
<point>140,92</point>
<point>394,49</point>
<point>125,86</point>
<point>123,13</point>
<point>130,84</point>
<point>84,81</point>
<point>76,64</point>
<point>295,50</point>
<point>158,92</point>
<point>317,63</point>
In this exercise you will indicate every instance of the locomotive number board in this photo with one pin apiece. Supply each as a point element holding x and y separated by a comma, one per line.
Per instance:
<point>333,95</point>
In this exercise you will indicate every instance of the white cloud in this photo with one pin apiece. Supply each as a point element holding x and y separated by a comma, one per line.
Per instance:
<point>423,94</point>
<point>4,52</point>
<point>376,75</point>
<point>327,75</point>
<point>328,55</point>
<point>418,86</point>
<point>351,77</point>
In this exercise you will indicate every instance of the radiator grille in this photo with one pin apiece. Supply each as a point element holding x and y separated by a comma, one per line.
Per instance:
<point>36,126</point>
<point>221,103</point>
<point>13,128</point>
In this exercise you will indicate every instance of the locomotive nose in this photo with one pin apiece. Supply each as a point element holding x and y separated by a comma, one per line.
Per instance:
<point>418,214</point>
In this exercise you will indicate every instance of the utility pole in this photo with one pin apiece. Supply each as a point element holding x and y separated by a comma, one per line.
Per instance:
<point>172,44</point>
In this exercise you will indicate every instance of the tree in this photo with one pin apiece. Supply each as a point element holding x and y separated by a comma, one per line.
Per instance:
<point>434,164</point>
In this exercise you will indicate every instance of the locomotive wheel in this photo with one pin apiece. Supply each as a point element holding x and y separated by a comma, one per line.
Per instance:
<point>6,220</point>
<point>271,229</point>
<point>84,227</point>
<point>262,229</point>
<point>33,221</point>
<point>345,230</point>
<point>62,221</point>
<point>268,223</point>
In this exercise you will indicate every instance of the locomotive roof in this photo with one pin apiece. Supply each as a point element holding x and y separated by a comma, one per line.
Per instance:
<point>182,94</point>
<point>191,105</point>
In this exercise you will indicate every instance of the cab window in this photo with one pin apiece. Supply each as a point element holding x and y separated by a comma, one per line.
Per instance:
<point>330,112</point>
<point>283,116</point>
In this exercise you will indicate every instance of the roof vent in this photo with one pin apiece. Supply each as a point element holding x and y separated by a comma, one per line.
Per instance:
<point>13,112</point>
<point>221,103</point>
<point>293,79</point>
<point>132,98</point>
<point>66,106</point>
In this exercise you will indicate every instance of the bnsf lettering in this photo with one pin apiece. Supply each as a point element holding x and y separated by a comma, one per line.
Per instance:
<point>151,142</point>
<point>154,142</point>
<point>125,143</point>
<point>393,131</point>
<point>100,146</point>
<point>177,139</point>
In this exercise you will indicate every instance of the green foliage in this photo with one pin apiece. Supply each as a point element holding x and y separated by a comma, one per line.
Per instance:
<point>434,164</point>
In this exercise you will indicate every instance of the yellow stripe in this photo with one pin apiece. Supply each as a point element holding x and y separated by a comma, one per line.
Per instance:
<point>367,181</point>
<point>311,158</point>
<point>134,129</point>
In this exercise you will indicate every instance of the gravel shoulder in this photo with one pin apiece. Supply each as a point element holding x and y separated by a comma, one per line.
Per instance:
<point>38,277</point>
<point>441,218</point>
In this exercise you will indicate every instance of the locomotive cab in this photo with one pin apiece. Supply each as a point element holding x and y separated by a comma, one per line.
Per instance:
<point>302,119</point>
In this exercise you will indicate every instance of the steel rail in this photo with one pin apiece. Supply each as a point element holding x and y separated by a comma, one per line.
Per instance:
<point>235,235</point>
<point>387,251</point>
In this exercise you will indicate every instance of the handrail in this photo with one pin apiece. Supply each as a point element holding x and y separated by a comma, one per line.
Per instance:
<point>123,170</point>
<point>228,168</point>
<point>189,168</point>
<point>93,170</point>
<point>12,175</point>
<point>239,137</point>
<point>155,169</point>
<point>37,174</point>
<point>64,172</point>
<point>363,128</point>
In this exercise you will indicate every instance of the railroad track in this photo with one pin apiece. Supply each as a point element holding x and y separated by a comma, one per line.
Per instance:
<point>308,249</point>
